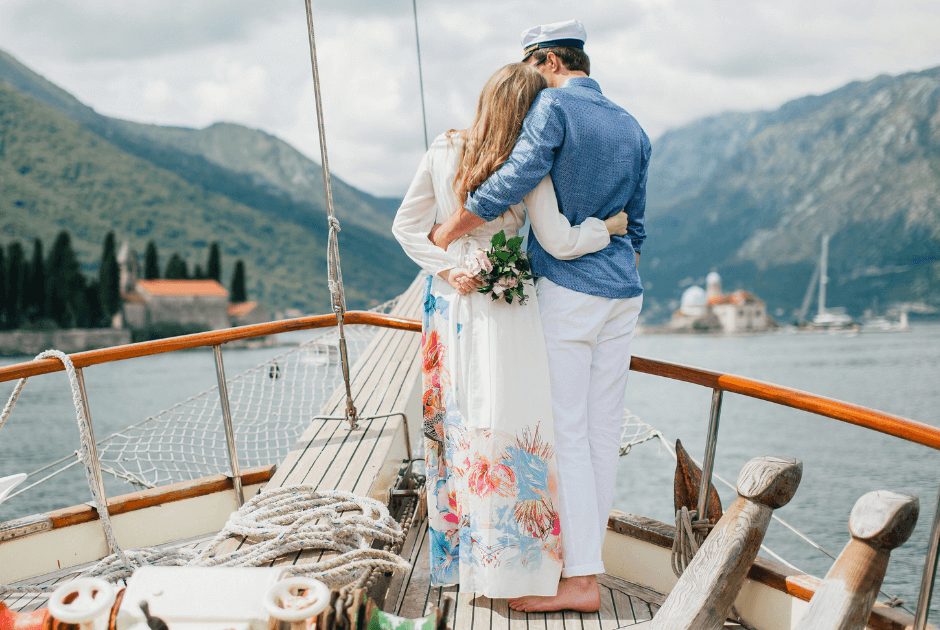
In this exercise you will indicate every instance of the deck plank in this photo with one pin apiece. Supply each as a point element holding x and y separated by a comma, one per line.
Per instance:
<point>398,584</point>
<point>287,472</point>
<point>417,590</point>
<point>500,619</point>
<point>607,615</point>
<point>625,613</point>
<point>482,612</point>
<point>464,611</point>
<point>572,620</point>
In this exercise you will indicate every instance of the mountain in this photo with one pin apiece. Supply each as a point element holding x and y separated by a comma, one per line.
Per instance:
<point>62,165</point>
<point>750,195</point>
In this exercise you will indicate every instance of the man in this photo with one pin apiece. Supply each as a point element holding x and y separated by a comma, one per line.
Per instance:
<point>597,155</point>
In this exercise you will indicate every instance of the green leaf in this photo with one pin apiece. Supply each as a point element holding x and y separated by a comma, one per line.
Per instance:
<point>514,243</point>
<point>499,239</point>
<point>503,256</point>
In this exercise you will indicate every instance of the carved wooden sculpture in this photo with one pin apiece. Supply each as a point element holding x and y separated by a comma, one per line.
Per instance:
<point>879,522</point>
<point>703,597</point>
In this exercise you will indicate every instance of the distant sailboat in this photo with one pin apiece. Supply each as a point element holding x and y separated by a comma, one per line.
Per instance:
<point>835,317</point>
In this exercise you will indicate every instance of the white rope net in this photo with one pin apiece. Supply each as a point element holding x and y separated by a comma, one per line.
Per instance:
<point>272,404</point>
<point>634,431</point>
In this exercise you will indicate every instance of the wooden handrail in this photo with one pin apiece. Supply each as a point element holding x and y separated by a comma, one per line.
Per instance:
<point>200,340</point>
<point>887,423</point>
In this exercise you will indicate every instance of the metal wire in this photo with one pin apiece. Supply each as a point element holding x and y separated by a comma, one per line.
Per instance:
<point>424,116</point>
<point>334,272</point>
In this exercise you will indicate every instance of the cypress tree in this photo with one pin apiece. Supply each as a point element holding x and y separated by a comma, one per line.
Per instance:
<point>151,262</point>
<point>3,289</point>
<point>176,269</point>
<point>65,282</point>
<point>238,293</point>
<point>94,316</point>
<point>109,278</point>
<point>34,290</point>
<point>214,266</point>
<point>199,274</point>
<point>16,277</point>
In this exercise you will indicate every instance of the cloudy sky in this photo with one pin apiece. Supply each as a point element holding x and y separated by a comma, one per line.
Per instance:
<point>668,62</point>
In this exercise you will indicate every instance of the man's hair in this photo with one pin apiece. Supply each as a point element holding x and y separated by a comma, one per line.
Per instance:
<point>574,59</point>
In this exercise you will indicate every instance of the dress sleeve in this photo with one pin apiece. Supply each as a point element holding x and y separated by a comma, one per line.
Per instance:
<point>554,231</point>
<point>414,221</point>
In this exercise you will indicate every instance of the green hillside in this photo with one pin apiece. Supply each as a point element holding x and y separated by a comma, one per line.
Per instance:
<point>55,173</point>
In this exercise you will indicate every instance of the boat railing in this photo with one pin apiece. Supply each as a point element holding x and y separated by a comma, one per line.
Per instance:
<point>890,424</point>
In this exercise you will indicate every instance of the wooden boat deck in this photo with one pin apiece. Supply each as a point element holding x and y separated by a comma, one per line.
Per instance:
<point>623,604</point>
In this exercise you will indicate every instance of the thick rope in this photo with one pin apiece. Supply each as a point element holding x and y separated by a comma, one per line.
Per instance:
<point>281,521</point>
<point>690,532</point>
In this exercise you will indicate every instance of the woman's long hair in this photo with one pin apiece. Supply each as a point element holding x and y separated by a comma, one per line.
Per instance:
<point>504,103</point>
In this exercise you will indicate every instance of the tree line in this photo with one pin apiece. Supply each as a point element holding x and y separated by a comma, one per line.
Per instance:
<point>44,292</point>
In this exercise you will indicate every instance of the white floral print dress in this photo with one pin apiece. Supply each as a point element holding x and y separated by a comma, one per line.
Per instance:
<point>492,494</point>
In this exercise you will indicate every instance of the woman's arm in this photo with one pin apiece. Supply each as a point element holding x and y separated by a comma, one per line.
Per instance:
<point>412,223</point>
<point>414,219</point>
<point>554,231</point>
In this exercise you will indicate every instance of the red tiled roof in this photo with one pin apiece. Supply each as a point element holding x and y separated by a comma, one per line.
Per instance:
<point>242,308</point>
<point>182,287</point>
<point>738,297</point>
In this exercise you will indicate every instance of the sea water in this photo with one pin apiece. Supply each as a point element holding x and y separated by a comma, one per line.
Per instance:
<point>894,372</point>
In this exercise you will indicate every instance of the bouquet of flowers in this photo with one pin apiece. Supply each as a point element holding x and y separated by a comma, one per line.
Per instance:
<point>502,269</point>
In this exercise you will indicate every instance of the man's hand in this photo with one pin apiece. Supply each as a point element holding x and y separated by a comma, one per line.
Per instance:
<point>617,224</point>
<point>456,226</point>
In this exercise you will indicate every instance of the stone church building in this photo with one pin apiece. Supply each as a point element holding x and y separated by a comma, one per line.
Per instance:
<point>198,304</point>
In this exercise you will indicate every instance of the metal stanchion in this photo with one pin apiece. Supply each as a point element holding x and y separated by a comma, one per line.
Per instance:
<point>229,429</point>
<point>930,572</point>
<point>711,442</point>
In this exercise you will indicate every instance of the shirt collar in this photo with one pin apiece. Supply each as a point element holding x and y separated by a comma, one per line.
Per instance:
<point>586,82</point>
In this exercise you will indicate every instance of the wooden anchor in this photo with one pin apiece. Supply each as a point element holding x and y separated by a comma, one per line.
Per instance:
<point>879,522</point>
<point>703,596</point>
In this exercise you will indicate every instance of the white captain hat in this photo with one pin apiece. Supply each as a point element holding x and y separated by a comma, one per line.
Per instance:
<point>569,33</point>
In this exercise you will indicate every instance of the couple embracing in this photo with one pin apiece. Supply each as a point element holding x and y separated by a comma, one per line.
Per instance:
<point>523,402</point>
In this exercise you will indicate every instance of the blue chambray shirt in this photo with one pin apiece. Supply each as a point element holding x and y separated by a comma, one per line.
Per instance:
<point>597,155</point>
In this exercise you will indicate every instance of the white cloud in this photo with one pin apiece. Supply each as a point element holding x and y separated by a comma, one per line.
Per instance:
<point>190,63</point>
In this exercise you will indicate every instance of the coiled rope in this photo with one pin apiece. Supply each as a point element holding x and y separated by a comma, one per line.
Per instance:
<point>690,532</point>
<point>275,522</point>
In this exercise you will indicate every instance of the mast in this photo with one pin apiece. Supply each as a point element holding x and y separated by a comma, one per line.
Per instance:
<point>823,275</point>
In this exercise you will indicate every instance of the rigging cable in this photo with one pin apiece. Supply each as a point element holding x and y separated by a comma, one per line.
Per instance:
<point>424,116</point>
<point>335,274</point>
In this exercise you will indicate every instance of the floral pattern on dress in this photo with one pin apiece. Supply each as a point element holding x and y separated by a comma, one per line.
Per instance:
<point>492,494</point>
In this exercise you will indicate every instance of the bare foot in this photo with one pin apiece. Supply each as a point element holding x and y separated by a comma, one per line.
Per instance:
<point>575,593</point>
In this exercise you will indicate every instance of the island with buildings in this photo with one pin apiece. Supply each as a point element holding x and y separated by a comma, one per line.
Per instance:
<point>709,310</point>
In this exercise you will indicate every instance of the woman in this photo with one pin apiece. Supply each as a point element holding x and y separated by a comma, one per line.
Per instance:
<point>487,407</point>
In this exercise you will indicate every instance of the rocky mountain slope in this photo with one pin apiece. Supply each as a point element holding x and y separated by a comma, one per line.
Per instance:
<point>750,195</point>
<point>62,165</point>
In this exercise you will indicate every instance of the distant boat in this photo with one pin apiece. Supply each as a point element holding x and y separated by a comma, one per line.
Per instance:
<point>826,318</point>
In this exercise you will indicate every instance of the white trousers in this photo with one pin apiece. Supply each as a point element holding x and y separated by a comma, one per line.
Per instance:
<point>588,343</point>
